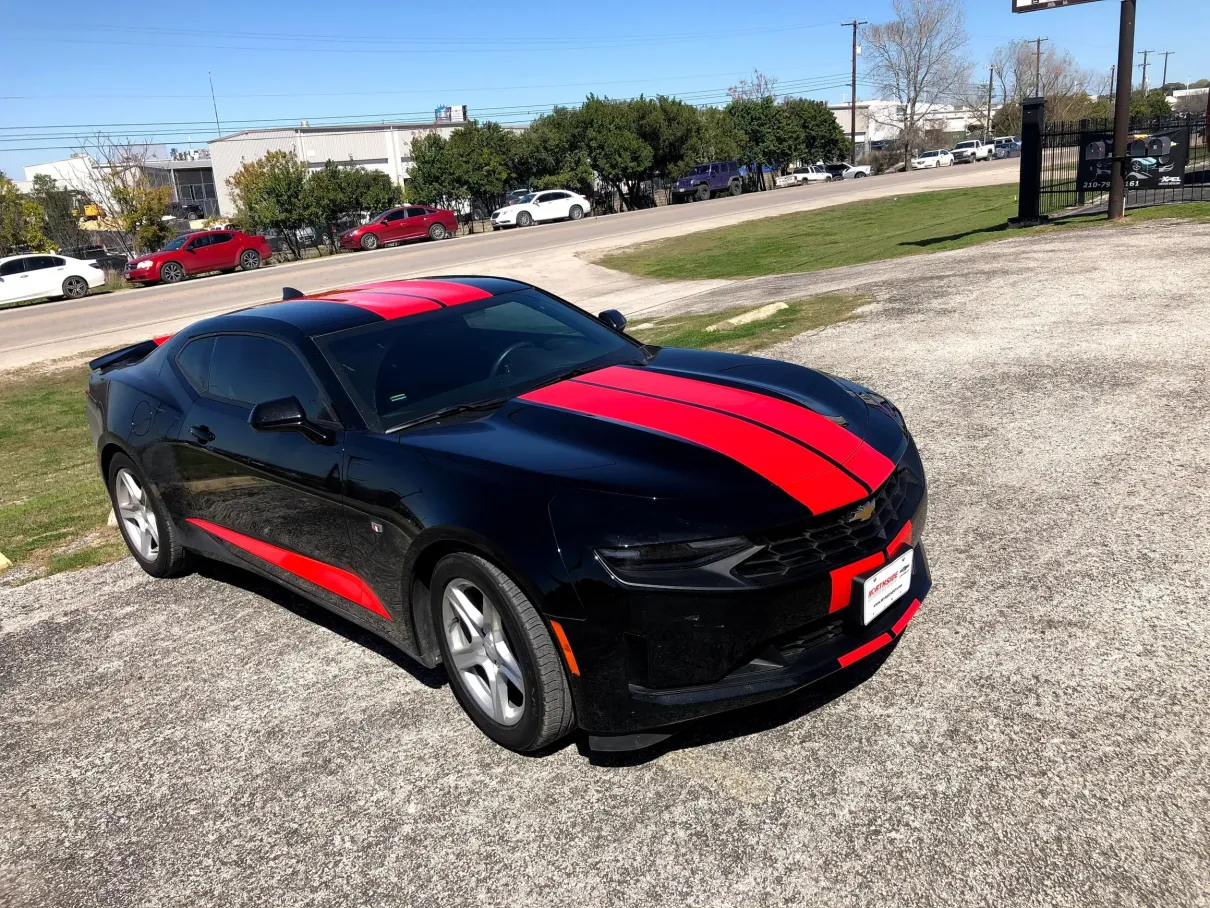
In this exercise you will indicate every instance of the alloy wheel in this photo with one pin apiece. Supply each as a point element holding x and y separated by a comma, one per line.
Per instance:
<point>249,261</point>
<point>75,287</point>
<point>481,653</point>
<point>172,273</point>
<point>136,515</point>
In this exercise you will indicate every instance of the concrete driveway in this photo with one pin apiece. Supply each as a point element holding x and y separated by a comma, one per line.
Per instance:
<point>1039,737</point>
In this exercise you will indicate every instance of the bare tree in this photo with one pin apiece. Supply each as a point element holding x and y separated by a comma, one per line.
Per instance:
<point>1060,79</point>
<point>919,59</point>
<point>761,86</point>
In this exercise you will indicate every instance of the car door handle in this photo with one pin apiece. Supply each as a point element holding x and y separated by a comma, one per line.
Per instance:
<point>202,434</point>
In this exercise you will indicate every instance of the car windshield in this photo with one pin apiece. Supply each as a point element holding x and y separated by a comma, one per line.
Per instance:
<point>382,214</point>
<point>527,198</point>
<point>402,370</point>
<point>175,243</point>
<point>929,154</point>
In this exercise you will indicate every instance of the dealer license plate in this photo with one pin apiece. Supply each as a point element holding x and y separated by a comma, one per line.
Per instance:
<point>885,586</point>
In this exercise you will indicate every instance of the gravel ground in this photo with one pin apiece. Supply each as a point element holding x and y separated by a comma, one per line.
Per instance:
<point>1038,737</point>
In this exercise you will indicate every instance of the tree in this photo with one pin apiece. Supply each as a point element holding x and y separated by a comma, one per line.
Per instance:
<point>482,161</point>
<point>1190,104</point>
<point>60,206</point>
<point>21,220</point>
<point>818,136</point>
<point>1064,84</point>
<point>671,128</point>
<point>430,179</point>
<point>919,59</point>
<point>720,138</point>
<point>769,135</point>
<point>135,196</point>
<point>614,150</point>
<point>761,86</point>
<point>551,154</point>
<point>269,193</point>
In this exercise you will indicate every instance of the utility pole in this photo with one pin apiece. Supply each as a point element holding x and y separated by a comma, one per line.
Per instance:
<point>1166,54</point>
<point>1038,42</point>
<point>991,82</point>
<point>1121,115</point>
<point>1113,71</point>
<point>855,24</point>
<point>215,103</point>
<point>1145,54</point>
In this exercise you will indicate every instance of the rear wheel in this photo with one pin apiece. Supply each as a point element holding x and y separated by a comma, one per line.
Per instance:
<point>249,260</point>
<point>525,219</point>
<point>504,668</point>
<point>369,241</point>
<point>437,232</point>
<point>575,213</point>
<point>735,187</point>
<point>171,273</point>
<point>145,525</point>
<point>75,287</point>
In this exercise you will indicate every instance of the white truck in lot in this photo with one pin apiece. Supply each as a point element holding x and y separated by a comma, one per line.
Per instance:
<point>973,150</point>
<point>849,171</point>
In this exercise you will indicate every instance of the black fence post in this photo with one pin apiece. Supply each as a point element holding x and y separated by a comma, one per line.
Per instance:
<point>1029,195</point>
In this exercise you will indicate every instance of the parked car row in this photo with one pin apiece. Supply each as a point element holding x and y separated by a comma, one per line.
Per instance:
<point>968,152</point>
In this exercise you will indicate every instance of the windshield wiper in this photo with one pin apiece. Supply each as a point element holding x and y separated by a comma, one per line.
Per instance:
<point>449,411</point>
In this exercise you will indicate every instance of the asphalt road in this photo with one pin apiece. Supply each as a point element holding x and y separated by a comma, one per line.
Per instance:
<point>1038,738</point>
<point>62,328</point>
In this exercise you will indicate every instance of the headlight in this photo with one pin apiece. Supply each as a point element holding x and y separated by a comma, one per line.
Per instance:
<point>702,565</point>
<point>143,266</point>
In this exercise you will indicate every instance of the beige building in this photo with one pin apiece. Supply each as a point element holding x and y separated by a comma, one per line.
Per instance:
<point>374,146</point>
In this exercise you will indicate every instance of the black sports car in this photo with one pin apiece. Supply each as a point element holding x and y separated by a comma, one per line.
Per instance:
<point>587,531</point>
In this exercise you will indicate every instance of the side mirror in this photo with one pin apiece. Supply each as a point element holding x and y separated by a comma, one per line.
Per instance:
<point>614,319</point>
<point>287,415</point>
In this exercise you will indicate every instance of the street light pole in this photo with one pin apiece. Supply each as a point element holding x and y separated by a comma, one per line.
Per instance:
<point>855,24</point>
<point>1121,111</point>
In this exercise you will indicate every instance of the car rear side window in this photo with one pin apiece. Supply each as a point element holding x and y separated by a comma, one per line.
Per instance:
<point>416,212</point>
<point>216,238</point>
<point>249,369</point>
<point>38,262</point>
<point>194,362</point>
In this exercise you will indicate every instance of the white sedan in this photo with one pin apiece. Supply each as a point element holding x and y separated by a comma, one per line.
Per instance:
<point>31,277</point>
<point>551,205</point>
<point>929,159</point>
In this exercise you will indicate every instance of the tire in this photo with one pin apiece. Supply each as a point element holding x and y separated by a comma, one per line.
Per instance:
<point>369,241</point>
<point>148,531</point>
<point>703,193</point>
<point>575,213</point>
<point>735,188</point>
<point>525,219</point>
<point>249,260</point>
<point>513,646</point>
<point>171,273</point>
<point>438,232</point>
<point>859,175</point>
<point>75,287</point>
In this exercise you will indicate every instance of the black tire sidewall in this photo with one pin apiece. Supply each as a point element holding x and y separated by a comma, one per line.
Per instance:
<point>252,256</point>
<point>519,737</point>
<point>369,242</point>
<point>576,212</point>
<point>437,232</point>
<point>525,219</point>
<point>172,268</point>
<point>162,565</point>
<point>72,280</point>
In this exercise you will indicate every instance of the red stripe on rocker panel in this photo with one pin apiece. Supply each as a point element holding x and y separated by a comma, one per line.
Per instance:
<point>388,305</point>
<point>333,579</point>
<point>801,473</point>
<point>795,420</point>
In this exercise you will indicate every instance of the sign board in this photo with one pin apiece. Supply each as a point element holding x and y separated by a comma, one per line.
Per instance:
<point>1029,6</point>
<point>1155,160</point>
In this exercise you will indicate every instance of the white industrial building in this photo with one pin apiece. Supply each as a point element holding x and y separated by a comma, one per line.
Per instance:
<point>374,146</point>
<point>882,121</point>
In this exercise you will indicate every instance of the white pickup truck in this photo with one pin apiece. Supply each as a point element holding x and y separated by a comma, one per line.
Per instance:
<point>973,150</point>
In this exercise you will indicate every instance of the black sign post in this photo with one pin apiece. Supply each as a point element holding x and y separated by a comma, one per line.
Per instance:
<point>1029,197</point>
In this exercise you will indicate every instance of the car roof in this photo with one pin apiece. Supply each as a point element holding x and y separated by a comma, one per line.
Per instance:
<point>362,304</point>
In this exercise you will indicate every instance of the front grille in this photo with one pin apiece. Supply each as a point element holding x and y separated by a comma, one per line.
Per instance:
<point>833,540</point>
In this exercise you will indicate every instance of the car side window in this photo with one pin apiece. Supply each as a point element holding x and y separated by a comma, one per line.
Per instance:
<point>395,216</point>
<point>216,238</point>
<point>416,212</point>
<point>10,268</point>
<point>559,195</point>
<point>38,262</point>
<point>194,362</point>
<point>58,262</point>
<point>198,242</point>
<point>249,369</point>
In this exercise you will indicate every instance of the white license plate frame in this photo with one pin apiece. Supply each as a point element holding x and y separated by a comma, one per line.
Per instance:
<point>886,586</point>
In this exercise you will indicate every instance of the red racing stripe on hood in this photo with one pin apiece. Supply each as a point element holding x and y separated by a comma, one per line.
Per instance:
<point>799,472</point>
<point>799,422</point>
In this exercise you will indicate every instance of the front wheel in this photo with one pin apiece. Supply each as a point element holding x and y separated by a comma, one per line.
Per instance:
<point>172,273</point>
<point>437,232</point>
<point>503,666</point>
<point>145,525</point>
<point>525,219</point>
<point>703,193</point>
<point>249,260</point>
<point>576,213</point>
<point>75,287</point>
<point>369,241</point>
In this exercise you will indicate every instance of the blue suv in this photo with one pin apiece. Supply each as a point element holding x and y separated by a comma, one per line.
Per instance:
<point>706,180</point>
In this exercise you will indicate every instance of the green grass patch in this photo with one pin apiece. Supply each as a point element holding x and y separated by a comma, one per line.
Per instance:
<point>852,234</point>
<point>802,315</point>
<point>53,505</point>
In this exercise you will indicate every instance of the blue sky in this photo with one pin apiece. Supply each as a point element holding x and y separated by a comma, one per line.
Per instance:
<point>146,63</point>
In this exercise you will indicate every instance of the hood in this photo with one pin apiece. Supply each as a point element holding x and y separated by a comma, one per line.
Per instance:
<point>759,441</point>
<point>149,257</point>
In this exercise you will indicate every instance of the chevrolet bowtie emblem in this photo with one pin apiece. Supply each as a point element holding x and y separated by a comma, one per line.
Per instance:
<point>865,512</point>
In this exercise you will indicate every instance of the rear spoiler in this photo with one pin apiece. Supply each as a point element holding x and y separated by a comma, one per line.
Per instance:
<point>127,355</point>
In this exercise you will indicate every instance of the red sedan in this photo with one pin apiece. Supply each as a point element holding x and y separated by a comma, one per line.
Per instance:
<point>195,253</point>
<point>411,222</point>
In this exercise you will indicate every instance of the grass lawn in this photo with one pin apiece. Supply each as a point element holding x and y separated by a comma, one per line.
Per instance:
<point>53,505</point>
<point>850,235</point>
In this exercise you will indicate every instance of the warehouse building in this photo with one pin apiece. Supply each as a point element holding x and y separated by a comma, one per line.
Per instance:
<point>374,146</point>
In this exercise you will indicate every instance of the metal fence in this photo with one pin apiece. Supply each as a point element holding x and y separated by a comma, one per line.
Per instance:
<point>1169,163</point>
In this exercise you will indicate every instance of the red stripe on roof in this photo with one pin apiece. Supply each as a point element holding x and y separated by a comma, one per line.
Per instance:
<point>797,421</point>
<point>799,472</point>
<point>388,305</point>
<point>448,293</point>
<point>333,579</point>
<point>862,651</point>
